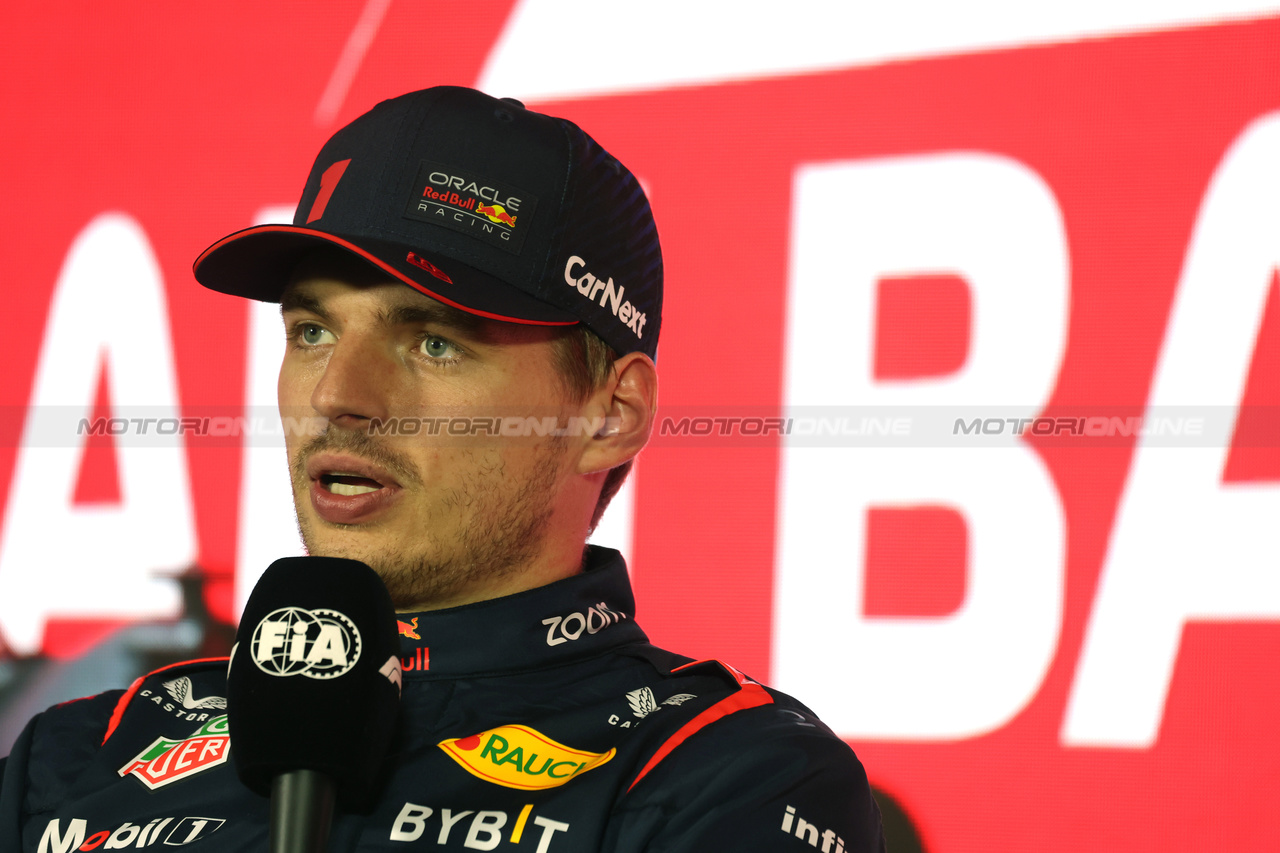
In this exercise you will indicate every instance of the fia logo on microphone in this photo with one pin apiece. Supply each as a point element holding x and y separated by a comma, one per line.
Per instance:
<point>320,643</point>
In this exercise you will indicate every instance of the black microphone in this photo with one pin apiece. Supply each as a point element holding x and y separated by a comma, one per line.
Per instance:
<point>313,691</point>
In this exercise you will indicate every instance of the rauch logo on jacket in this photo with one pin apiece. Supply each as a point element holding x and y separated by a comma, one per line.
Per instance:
<point>520,757</point>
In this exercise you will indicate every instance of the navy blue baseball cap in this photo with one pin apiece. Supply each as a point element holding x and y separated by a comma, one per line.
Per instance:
<point>479,203</point>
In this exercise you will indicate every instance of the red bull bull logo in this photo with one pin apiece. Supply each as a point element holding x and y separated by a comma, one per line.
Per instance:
<point>420,660</point>
<point>497,214</point>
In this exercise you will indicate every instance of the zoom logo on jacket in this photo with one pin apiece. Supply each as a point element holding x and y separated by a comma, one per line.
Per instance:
<point>595,618</point>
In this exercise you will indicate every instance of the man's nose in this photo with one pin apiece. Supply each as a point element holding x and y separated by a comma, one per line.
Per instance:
<point>355,387</point>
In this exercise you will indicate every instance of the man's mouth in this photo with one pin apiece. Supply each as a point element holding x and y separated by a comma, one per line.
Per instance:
<point>347,489</point>
<point>348,484</point>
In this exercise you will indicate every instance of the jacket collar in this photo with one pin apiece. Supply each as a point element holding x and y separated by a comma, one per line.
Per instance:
<point>574,618</point>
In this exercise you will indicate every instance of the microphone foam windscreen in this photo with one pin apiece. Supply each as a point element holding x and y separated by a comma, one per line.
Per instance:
<point>314,679</point>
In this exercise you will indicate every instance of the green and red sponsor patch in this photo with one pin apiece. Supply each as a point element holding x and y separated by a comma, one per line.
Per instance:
<point>166,760</point>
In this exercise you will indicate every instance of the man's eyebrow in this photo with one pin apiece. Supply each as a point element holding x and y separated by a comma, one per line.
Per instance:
<point>297,300</point>
<point>432,315</point>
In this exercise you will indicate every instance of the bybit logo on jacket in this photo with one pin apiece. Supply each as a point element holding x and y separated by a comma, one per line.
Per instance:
<point>484,831</point>
<point>591,286</point>
<point>521,757</point>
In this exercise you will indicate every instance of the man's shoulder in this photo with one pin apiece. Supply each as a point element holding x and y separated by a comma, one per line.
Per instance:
<point>79,727</point>
<point>731,689</point>
<point>711,713</point>
<point>741,765</point>
<point>88,713</point>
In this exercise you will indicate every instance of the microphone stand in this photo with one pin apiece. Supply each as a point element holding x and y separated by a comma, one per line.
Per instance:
<point>301,812</point>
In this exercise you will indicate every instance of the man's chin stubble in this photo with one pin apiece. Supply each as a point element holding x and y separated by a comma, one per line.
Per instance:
<point>505,535</point>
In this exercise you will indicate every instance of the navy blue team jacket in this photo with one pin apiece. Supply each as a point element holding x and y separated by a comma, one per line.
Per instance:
<point>543,722</point>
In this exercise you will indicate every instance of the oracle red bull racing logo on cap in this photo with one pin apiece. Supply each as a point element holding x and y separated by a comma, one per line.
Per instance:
<point>480,207</point>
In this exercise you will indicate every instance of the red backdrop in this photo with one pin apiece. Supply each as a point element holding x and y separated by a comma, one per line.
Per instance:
<point>1082,229</point>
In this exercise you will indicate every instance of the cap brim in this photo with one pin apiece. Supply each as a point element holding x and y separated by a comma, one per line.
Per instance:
<point>256,263</point>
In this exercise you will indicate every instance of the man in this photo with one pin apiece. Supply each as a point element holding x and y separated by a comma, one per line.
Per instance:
<point>471,294</point>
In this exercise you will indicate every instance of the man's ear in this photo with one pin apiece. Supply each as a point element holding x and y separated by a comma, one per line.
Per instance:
<point>626,405</point>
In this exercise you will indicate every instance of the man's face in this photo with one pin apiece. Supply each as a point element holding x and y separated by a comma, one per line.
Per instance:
<point>408,474</point>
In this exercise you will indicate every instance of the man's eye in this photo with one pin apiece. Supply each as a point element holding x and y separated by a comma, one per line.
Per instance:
<point>313,335</point>
<point>433,346</point>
